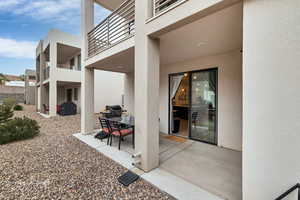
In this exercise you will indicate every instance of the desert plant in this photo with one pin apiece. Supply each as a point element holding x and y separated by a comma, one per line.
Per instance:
<point>18,129</point>
<point>18,107</point>
<point>6,113</point>
<point>10,102</point>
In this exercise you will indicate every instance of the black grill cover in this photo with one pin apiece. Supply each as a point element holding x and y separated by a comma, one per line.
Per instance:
<point>68,108</point>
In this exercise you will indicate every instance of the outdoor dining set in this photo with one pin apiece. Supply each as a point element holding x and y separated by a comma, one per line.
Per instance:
<point>115,124</point>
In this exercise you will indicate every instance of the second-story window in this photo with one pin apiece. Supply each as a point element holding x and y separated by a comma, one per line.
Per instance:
<point>72,63</point>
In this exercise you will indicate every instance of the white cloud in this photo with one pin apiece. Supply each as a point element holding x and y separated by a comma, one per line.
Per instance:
<point>63,12</point>
<point>5,4</point>
<point>49,9</point>
<point>10,48</point>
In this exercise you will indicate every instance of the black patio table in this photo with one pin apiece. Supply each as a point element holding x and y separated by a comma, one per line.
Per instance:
<point>127,120</point>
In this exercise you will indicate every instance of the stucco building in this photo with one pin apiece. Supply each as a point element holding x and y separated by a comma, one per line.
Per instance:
<point>223,72</point>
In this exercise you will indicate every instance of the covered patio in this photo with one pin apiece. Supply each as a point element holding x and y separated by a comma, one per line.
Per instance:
<point>213,42</point>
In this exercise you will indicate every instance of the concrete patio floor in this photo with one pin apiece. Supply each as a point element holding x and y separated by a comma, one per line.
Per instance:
<point>201,170</point>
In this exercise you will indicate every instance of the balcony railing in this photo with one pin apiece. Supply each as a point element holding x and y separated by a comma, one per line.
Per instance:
<point>161,5</point>
<point>46,73</point>
<point>118,26</point>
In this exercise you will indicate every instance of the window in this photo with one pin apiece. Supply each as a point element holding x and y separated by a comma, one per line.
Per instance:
<point>75,94</point>
<point>79,62</point>
<point>69,95</point>
<point>72,63</point>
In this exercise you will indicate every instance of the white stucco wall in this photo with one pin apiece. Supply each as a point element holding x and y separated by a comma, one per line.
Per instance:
<point>129,92</point>
<point>109,88</point>
<point>271,118</point>
<point>229,94</point>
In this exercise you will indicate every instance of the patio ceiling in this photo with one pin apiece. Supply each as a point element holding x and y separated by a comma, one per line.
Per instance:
<point>122,62</point>
<point>211,35</point>
<point>65,52</point>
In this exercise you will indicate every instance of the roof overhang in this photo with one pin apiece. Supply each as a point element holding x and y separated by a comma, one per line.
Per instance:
<point>110,4</point>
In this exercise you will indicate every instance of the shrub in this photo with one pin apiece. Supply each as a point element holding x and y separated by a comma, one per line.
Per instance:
<point>18,129</point>
<point>10,102</point>
<point>6,113</point>
<point>18,107</point>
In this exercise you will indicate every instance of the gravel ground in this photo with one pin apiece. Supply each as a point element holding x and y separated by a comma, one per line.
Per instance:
<point>55,165</point>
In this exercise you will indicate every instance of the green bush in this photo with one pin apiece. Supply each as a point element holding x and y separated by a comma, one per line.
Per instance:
<point>6,113</point>
<point>18,107</point>
<point>10,102</point>
<point>18,129</point>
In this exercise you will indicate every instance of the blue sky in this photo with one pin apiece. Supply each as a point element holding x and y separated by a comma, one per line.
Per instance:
<point>24,22</point>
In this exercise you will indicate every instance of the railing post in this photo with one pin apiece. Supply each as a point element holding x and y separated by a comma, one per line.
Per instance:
<point>154,7</point>
<point>108,31</point>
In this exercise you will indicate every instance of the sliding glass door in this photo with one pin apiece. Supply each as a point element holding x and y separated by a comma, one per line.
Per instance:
<point>203,106</point>
<point>193,105</point>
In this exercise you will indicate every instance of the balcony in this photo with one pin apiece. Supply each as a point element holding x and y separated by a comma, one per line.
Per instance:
<point>162,5</point>
<point>118,26</point>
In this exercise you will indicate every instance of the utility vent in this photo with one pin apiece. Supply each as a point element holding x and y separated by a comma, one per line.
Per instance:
<point>128,178</point>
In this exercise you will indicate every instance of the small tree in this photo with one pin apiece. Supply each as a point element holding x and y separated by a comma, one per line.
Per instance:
<point>3,79</point>
<point>6,113</point>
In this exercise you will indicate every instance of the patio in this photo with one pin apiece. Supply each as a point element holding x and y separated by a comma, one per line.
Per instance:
<point>203,170</point>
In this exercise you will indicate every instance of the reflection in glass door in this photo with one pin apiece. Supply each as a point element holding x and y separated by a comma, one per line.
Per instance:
<point>203,106</point>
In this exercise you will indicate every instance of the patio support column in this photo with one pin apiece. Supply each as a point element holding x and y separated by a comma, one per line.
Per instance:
<point>52,80</point>
<point>42,87</point>
<point>87,96</point>
<point>87,75</point>
<point>146,90</point>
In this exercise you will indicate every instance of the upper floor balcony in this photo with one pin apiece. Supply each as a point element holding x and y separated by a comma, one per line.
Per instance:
<point>118,26</point>
<point>115,34</point>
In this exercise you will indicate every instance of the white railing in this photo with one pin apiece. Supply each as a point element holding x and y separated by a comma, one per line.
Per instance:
<point>118,26</point>
<point>161,5</point>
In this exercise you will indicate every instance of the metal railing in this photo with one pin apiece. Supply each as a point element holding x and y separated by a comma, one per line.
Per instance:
<point>292,189</point>
<point>118,26</point>
<point>46,73</point>
<point>161,5</point>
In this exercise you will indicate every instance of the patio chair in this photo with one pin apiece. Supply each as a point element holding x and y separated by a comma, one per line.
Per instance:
<point>194,118</point>
<point>117,130</point>
<point>105,128</point>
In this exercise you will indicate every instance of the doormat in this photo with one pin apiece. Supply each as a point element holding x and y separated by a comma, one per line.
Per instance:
<point>175,138</point>
<point>128,178</point>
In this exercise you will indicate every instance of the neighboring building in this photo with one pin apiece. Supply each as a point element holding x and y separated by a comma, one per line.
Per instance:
<point>226,70</point>
<point>58,67</point>
<point>30,86</point>
<point>12,87</point>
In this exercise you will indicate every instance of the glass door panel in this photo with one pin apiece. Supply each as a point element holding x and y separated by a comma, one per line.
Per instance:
<point>203,108</point>
<point>179,104</point>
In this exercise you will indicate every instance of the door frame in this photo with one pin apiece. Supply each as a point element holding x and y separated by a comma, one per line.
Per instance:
<point>216,69</point>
